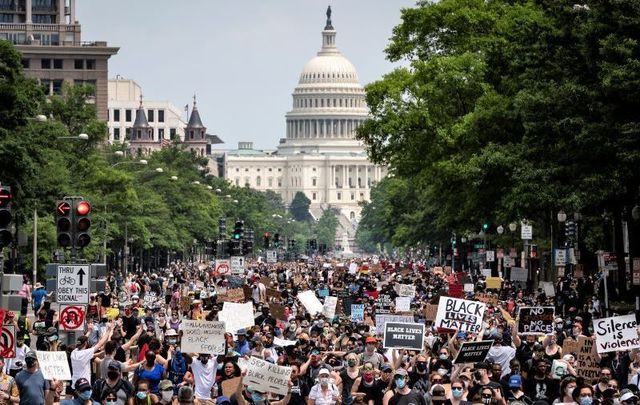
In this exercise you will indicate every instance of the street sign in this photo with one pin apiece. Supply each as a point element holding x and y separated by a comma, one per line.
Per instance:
<point>272,256</point>
<point>63,207</point>
<point>8,342</point>
<point>526,231</point>
<point>223,266</point>
<point>561,257</point>
<point>72,317</point>
<point>73,284</point>
<point>237,264</point>
<point>491,256</point>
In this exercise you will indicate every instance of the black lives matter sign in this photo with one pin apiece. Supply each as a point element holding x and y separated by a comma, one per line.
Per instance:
<point>473,352</point>
<point>536,321</point>
<point>399,335</point>
<point>459,314</point>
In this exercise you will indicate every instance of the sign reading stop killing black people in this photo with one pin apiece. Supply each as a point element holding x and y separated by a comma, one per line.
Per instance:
<point>536,321</point>
<point>403,335</point>
<point>459,314</point>
<point>473,352</point>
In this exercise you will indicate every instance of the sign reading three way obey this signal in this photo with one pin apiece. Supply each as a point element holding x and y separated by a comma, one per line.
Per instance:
<point>73,284</point>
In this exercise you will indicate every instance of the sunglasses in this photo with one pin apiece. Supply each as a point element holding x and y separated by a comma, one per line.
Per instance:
<point>487,396</point>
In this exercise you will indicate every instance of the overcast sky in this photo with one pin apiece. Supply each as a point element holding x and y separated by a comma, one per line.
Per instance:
<point>241,57</point>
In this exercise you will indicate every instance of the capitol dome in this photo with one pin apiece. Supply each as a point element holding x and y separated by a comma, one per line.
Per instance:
<point>329,101</point>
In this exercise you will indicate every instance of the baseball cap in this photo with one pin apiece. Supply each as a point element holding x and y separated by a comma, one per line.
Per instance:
<point>315,351</point>
<point>370,339</point>
<point>627,395</point>
<point>401,371</point>
<point>385,367</point>
<point>482,365</point>
<point>31,355</point>
<point>165,385</point>
<point>114,365</point>
<point>241,332</point>
<point>515,381</point>
<point>82,384</point>
<point>323,371</point>
<point>222,399</point>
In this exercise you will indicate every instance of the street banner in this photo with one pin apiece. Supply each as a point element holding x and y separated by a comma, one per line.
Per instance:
<point>54,365</point>
<point>329,307</point>
<point>202,337</point>
<point>237,316</point>
<point>403,304</point>
<point>72,284</point>
<point>406,290</point>
<point>473,352</point>
<point>8,342</point>
<point>283,342</point>
<point>403,336</point>
<point>357,313</point>
<point>519,274</point>
<point>267,377</point>
<point>381,319</point>
<point>311,303</point>
<point>616,333</point>
<point>536,320</point>
<point>494,283</point>
<point>277,311</point>
<point>72,317</point>
<point>461,315</point>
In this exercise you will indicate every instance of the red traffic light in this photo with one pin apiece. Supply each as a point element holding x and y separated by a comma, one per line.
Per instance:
<point>266,234</point>
<point>63,208</point>
<point>83,208</point>
<point>5,197</point>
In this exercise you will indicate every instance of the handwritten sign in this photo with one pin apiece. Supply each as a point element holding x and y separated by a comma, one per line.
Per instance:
<point>357,312</point>
<point>430,312</point>
<point>54,365</point>
<point>403,304</point>
<point>616,333</point>
<point>329,307</point>
<point>202,337</point>
<point>587,364</point>
<point>459,314</point>
<point>283,342</point>
<point>406,290</point>
<point>487,298</point>
<point>267,377</point>
<point>232,295</point>
<point>494,283</point>
<point>277,311</point>
<point>536,320</point>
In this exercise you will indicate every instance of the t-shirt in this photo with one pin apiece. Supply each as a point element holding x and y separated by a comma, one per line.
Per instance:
<point>154,376</point>
<point>32,387</point>
<point>412,398</point>
<point>81,364</point>
<point>321,398</point>
<point>204,375</point>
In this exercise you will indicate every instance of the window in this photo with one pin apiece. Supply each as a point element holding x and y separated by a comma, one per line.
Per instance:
<point>279,169</point>
<point>26,63</point>
<point>172,133</point>
<point>279,181</point>
<point>127,115</point>
<point>313,196</point>
<point>151,115</point>
<point>57,63</point>
<point>91,64</point>
<point>313,182</point>
<point>352,215</point>
<point>339,196</point>
<point>353,196</point>
<point>45,63</point>
<point>270,169</point>
<point>258,181</point>
<point>191,134</point>
<point>270,181</point>
<point>362,196</point>
<point>57,87</point>
<point>237,181</point>
<point>78,64</point>
<point>127,133</point>
<point>116,134</point>
<point>160,115</point>
<point>246,169</point>
<point>160,133</point>
<point>116,115</point>
<point>237,169</point>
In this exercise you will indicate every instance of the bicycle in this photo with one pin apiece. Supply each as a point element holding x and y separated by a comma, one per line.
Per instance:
<point>68,280</point>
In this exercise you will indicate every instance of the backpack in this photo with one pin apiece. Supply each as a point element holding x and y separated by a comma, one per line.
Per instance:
<point>101,389</point>
<point>178,368</point>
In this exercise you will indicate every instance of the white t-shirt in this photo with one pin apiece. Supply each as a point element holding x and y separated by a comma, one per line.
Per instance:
<point>81,364</point>
<point>320,398</point>
<point>204,376</point>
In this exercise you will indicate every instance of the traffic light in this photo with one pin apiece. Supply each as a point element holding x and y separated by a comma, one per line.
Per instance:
<point>570,231</point>
<point>5,216</point>
<point>485,226</point>
<point>276,240</point>
<point>534,251</point>
<point>211,248</point>
<point>82,223</point>
<point>238,230</point>
<point>265,239</point>
<point>247,243</point>
<point>64,215</point>
<point>222,228</point>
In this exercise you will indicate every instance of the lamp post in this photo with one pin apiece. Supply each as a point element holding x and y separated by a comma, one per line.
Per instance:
<point>137,162</point>
<point>500,230</point>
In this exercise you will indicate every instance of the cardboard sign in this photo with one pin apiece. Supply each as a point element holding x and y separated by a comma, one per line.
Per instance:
<point>403,304</point>
<point>430,312</point>
<point>54,365</point>
<point>311,303</point>
<point>487,298</point>
<point>461,315</point>
<point>559,368</point>
<point>277,311</point>
<point>570,345</point>
<point>473,352</point>
<point>230,386</point>
<point>616,333</point>
<point>519,274</point>
<point>266,281</point>
<point>357,313</point>
<point>232,295</point>
<point>267,377</point>
<point>273,293</point>
<point>202,337</point>
<point>237,316</point>
<point>494,283</point>
<point>536,321</point>
<point>283,342</point>
<point>248,292</point>
<point>72,317</point>
<point>185,303</point>
<point>329,307</point>
<point>406,290</point>
<point>587,362</point>
<point>381,319</point>
<point>8,342</point>
<point>403,336</point>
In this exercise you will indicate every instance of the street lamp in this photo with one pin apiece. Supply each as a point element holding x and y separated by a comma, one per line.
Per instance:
<point>500,229</point>
<point>139,162</point>
<point>159,170</point>
<point>562,217</point>
<point>81,137</point>
<point>513,226</point>
<point>174,178</point>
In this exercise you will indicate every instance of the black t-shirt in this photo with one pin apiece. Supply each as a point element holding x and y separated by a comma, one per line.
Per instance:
<point>347,383</point>
<point>129,324</point>
<point>544,390</point>
<point>412,398</point>
<point>299,392</point>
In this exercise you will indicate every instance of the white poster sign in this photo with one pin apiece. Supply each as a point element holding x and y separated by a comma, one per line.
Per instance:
<point>237,316</point>
<point>311,303</point>
<point>486,272</point>
<point>406,290</point>
<point>267,377</point>
<point>491,256</point>
<point>283,342</point>
<point>54,365</point>
<point>561,257</point>
<point>403,304</point>
<point>548,288</point>
<point>617,333</point>
<point>381,319</point>
<point>353,268</point>
<point>329,307</point>
<point>519,274</point>
<point>459,314</point>
<point>468,287</point>
<point>202,337</point>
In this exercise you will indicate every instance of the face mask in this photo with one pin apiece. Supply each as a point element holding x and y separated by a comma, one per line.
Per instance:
<point>586,401</point>
<point>324,381</point>
<point>141,394</point>
<point>167,395</point>
<point>30,362</point>
<point>569,391</point>
<point>172,341</point>
<point>400,383</point>
<point>443,357</point>
<point>443,371</point>
<point>421,365</point>
<point>457,393</point>
<point>368,377</point>
<point>486,400</point>
<point>351,363</point>
<point>112,402</point>
<point>85,395</point>
<point>616,401</point>
<point>113,375</point>
<point>257,397</point>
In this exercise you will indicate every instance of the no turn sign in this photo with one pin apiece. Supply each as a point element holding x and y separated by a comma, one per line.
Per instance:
<point>223,267</point>
<point>8,342</point>
<point>72,317</point>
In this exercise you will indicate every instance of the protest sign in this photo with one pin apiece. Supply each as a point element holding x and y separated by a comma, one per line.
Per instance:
<point>559,368</point>
<point>473,352</point>
<point>616,333</point>
<point>185,303</point>
<point>536,321</point>
<point>230,386</point>
<point>406,290</point>
<point>587,363</point>
<point>403,335</point>
<point>459,314</point>
<point>311,303</point>
<point>265,280</point>
<point>494,283</point>
<point>519,274</point>
<point>237,316</point>
<point>468,287</point>
<point>54,365</point>
<point>430,312</point>
<point>232,295</point>
<point>323,292</point>
<point>569,346</point>
<point>267,377</point>
<point>548,288</point>
<point>277,311</point>
<point>283,342</point>
<point>329,307</point>
<point>381,319</point>
<point>487,298</point>
<point>403,304</point>
<point>273,293</point>
<point>486,272</point>
<point>357,312</point>
<point>248,292</point>
<point>202,337</point>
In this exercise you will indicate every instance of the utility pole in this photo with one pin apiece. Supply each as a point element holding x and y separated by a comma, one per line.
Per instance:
<point>35,245</point>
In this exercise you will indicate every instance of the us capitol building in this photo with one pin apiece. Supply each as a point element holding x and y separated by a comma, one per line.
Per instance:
<point>320,155</point>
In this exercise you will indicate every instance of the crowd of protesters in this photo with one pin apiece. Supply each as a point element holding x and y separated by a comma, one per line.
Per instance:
<point>130,352</point>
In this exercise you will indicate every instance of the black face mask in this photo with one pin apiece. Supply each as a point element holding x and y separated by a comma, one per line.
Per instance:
<point>113,375</point>
<point>30,362</point>
<point>421,366</point>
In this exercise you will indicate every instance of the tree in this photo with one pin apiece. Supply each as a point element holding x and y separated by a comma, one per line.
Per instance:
<point>326,228</point>
<point>300,207</point>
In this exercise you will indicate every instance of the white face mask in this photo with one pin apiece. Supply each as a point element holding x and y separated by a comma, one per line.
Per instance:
<point>167,395</point>
<point>324,381</point>
<point>569,391</point>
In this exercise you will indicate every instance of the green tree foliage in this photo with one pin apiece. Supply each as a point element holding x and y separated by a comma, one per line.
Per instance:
<point>326,228</point>
<point>300,207</point>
